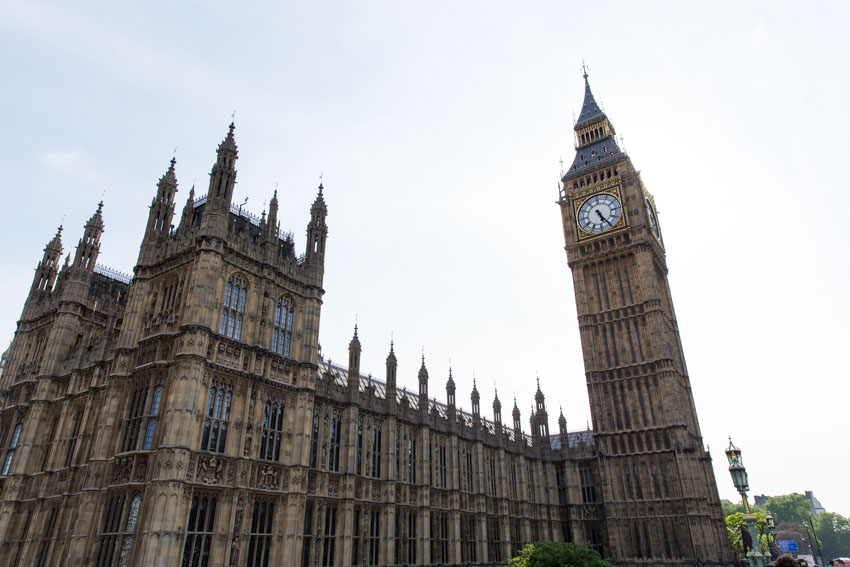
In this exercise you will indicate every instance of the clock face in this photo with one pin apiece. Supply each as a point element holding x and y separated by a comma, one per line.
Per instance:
<point>653,220</point>
<point>599,213</point>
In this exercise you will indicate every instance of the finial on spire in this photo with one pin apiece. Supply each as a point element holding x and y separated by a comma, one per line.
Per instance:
<point>584,70</point>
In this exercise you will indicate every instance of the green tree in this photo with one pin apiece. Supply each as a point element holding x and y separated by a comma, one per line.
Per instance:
<point>552,554</point>
<point>789,509</point>
<point>833,532</point>
<point>733,530</point>
<point>733,508</point>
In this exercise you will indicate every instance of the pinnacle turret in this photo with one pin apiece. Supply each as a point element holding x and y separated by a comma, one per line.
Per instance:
<point>188,210</point>
<point>562,423</point>
<point>450,390</point>
<point>517,423</point>
<point>89,245</point>
<point>354,366</point>
<point>423,386</point>
<point>48,268</point>
<point>392,370</point>
<point>223,174</point>
<point>229,142</point>
<point>162,205</point>
<point>317,230</point>
<point>497,412</point>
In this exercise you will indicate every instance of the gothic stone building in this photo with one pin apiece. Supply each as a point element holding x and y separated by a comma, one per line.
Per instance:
<point>185,417</point>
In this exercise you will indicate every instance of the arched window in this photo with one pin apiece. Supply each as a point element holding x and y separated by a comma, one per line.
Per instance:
<point>260,543</point>
<point>218,414</point>
<point>333,455</point>
<point>272,430</point>
<point>13,444</point>
<point>282,336</point>
<point>116,516</point>
<point>233,306</point>
<point>140,424</point>
<point>199,532</point>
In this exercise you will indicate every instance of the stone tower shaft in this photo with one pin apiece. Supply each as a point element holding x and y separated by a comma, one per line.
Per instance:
<point>643,413</point>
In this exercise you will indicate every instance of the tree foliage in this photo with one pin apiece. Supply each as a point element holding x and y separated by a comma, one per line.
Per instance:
<point>552,554</point>
<point>833,532</point>
<point>733,530</point>
<point>789,508</point>
<point>738,507</point>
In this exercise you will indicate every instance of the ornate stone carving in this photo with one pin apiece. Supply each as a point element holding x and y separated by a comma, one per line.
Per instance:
<point>122,469</point>
<point>210,470</point>
<point>267,477</point>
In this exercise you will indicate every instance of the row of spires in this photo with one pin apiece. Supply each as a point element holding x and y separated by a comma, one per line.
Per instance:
<point>222,181</point>
<point>219,199</point>
<point>539,417</point>
<point>85,257</point>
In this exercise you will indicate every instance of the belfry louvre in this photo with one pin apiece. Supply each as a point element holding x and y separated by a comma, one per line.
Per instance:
<point>186,416</point>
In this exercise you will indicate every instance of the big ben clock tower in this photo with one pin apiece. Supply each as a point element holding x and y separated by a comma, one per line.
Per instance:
<point>660,495</point>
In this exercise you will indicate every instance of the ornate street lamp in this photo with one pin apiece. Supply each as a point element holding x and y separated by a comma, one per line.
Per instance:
<point>739,479</point>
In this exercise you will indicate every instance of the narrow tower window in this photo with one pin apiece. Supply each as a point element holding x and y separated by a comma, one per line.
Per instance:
<point>199,532</point>
<point>235,294</point>
<point>260,543</point>
<point>282,334</point>
<point>112,535</point>
<point>13,444</point>
<point>333,453</point>
<point>272,430</point>
<point>218,415</point>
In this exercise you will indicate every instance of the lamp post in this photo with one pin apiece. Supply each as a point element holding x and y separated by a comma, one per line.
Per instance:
<point>739,479</point>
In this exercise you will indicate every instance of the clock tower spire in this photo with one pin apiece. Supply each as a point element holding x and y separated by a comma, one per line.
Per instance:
<point>644,418</point>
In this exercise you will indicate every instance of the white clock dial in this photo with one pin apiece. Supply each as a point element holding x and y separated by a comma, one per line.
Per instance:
<point>599,213</point>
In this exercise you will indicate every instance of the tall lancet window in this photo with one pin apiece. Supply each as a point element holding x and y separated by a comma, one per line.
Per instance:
<point>282,337</point>
<point>13,444</point>
<point>217,417</point>
<point>235,294</point>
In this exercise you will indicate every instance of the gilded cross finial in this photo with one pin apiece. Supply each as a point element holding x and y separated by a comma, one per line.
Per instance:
<point>584,70</point>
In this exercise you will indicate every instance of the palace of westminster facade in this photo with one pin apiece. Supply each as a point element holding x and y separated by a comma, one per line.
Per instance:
<point>187,418</point>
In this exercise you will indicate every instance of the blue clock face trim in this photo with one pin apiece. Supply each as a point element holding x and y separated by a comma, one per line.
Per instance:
<point>599,213</point>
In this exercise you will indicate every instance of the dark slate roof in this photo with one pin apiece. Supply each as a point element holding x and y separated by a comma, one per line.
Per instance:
<point>598,153</point>
<point>590,111</point>
<point>575,439</point>
<point>339,375</point>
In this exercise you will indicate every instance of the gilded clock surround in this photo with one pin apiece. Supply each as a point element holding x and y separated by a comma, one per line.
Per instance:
<point>581,197</point>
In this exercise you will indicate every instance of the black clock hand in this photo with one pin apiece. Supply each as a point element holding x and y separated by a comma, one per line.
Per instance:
<point>603,218</point>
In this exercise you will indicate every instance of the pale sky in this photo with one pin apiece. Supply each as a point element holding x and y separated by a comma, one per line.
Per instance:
<point>439,127</point>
